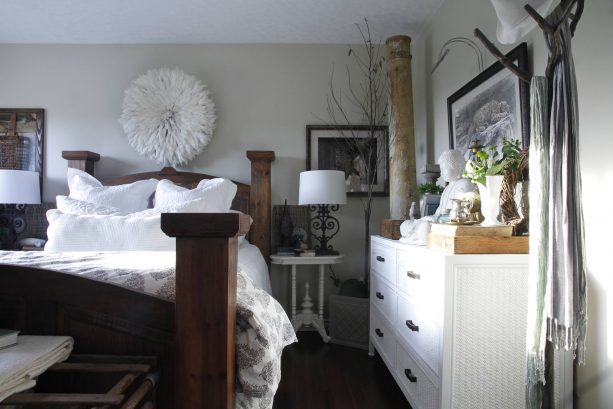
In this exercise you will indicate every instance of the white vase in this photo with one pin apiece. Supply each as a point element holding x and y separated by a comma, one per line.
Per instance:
<point>490,200</point>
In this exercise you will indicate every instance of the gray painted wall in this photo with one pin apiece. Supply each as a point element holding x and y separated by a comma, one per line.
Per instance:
<point>265,95</point>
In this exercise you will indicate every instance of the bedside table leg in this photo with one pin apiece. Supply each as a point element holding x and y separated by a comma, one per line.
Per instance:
<point>321,292</point>
<point>293,293</point>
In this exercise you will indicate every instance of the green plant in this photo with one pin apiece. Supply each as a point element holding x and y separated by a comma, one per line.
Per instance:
<point>430,187</point>
<point>490,162</point>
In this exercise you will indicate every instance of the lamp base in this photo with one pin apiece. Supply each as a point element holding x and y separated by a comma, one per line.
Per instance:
<point>12,223</point>
<point>326,252</point>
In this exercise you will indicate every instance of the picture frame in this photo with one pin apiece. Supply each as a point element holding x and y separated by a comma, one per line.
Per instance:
<point>337,147</point>
<point>493,105</point>
<point>429,204</point>
<point>22,135</point>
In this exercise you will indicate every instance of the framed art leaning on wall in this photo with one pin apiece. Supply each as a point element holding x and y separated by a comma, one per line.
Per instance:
<point>351,149</point>
<point>491,106</point>
<point>21,139</point>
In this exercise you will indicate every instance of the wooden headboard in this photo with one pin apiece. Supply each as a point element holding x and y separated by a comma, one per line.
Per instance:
<point>252,199</point>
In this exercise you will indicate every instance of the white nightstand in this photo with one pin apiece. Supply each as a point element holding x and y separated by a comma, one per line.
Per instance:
<point>307,316</point>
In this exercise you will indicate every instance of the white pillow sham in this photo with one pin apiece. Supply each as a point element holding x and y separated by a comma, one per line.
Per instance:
<point>69,205</point>
<point>136,231</point>
<point>129,198</point>
<point>210,196</point>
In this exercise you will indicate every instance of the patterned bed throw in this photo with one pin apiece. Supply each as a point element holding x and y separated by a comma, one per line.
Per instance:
<point>262,327</point>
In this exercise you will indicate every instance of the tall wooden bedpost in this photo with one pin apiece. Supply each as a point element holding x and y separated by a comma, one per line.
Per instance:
<point>82,160</point>
<point>259,202</point>
<point>205,306</point>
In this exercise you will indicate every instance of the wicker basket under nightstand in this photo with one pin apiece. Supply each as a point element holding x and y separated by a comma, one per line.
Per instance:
<point>349,321</point>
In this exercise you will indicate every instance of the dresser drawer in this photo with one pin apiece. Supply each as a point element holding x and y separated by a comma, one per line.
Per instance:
<point>383,338</point>
<point>383,261</point>
<point>383,297</point>
<point>419,328</point>
<point>420,278</point>
<point>423,393</point>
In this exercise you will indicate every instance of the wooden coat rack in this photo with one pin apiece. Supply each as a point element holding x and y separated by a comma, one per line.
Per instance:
<point>548,28</point>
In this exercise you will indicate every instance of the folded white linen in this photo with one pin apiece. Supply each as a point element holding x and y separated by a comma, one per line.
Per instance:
<point>33,355</point>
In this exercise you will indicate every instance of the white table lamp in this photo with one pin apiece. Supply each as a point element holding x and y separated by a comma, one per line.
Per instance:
<point>323,191</point>
<point>17,187</point>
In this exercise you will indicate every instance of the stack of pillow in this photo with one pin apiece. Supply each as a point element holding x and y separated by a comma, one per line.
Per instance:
<point>117,218</point>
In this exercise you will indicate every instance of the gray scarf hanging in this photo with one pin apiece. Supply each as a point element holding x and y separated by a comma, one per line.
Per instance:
<point>557,310</point>
<point>565,301</point>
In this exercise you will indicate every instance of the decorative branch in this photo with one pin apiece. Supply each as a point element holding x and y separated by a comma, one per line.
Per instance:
<point>506,62</point>
<point>365,94</point>
<point>576,17</point>
<point>542,23</point>
<point>552,29</point>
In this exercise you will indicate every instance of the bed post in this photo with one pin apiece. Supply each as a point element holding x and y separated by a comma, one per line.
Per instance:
<point>205,306</point>
<point>82,160</point>
<point>259,201</point>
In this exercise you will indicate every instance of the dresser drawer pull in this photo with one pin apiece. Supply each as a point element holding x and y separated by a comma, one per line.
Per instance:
<point>413,275</point>
<point>381,259</point>
<point>379,333</point>
<point>410,376</point>
<point>379,295</point>
<point>412,326</point>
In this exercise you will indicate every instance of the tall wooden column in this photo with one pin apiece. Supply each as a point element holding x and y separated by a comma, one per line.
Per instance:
<point>403,181</point>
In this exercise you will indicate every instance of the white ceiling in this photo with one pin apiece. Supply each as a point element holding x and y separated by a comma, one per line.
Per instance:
<point>208,21</point>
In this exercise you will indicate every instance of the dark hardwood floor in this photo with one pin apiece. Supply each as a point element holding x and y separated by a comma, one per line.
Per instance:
<point>327,376</point>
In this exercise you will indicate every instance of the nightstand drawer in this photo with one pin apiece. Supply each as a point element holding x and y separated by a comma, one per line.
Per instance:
<point>382,337</point>
<point>415,382</point>
<point>383,261</point>
<point>383,298</point>
<point>419,328</point>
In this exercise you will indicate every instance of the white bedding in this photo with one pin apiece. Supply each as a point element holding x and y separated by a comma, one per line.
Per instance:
<point>262,327</point>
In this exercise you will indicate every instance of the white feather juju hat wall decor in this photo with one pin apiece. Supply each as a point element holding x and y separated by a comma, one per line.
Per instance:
<point>168,115</point>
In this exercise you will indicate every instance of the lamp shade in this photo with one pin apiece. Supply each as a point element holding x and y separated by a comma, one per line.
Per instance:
<point>19,187</point>
<point>322,187</point>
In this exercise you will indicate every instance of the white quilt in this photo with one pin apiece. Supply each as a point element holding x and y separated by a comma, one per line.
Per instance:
<point>263,328</point>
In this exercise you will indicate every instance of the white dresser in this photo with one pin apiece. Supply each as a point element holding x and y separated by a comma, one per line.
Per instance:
<point>450,328</point>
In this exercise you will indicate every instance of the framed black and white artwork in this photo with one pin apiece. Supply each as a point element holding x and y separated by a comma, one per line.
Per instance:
<point>351,149</point>
<point>493,105</point>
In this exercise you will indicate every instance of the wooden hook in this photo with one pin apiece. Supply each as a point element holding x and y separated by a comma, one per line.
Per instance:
<point>506,62</point>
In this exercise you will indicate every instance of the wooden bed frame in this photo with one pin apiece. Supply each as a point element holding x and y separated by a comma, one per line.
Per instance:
<point>193,338</point>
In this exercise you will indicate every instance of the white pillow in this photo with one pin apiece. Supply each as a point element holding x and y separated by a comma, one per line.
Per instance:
<point>137,231</point>
<point>210,196</point>
<point>129,198</point>
<point>68,205</point>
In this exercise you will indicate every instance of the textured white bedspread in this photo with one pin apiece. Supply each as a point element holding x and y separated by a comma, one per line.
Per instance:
<point>263,328</point>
